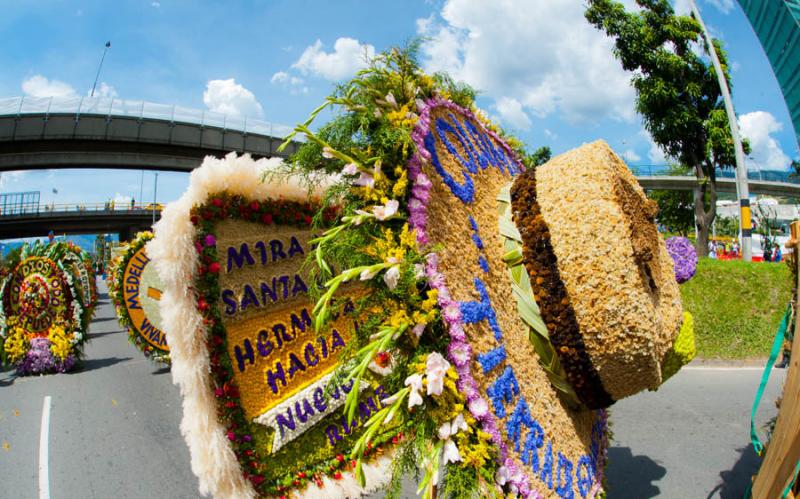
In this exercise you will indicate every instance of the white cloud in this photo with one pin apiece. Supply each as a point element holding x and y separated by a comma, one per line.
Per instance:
<point>121,200</point>
<point>348,56</point>
<point>724,6</point>
<point>766,152</point>
<point>9,178</point>
<point>294,83</point>
<point>156,4</point>
<point>630,155</point>
<point>550,134</point>
<point>104,90</point>
<point>229,97</point>
<point>511,112</point>
<point>280,77</point>
<point>541,53</point>
<point>39,86</point>
<point>655,153</point>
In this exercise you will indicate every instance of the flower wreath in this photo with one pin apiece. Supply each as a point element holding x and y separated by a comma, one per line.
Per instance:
<point>156,350</point>
<point>41,285</point>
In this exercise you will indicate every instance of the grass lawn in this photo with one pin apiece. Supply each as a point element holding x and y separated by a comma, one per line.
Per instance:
<point>737,306</point>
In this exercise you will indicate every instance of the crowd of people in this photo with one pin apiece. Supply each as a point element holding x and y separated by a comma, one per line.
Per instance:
<point>730,250</point>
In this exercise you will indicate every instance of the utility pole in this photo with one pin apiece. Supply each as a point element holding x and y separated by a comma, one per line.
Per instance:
<point>97,77</point>
<point>742,189</point>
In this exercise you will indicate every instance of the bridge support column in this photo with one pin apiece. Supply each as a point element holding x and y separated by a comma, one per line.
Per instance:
<point>127,234</point>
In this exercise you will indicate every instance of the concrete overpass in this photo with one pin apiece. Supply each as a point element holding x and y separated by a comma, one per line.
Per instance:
<point>101,132</point>
<point>687,183</point>
<point>83,220</point>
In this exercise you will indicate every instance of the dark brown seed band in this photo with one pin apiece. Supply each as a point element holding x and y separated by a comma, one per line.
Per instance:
<point>551,295</point>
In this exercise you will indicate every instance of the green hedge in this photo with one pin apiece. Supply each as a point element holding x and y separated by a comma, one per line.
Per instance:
<point>737,306</point>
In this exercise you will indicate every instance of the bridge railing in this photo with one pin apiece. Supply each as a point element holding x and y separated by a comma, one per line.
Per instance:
<point>111,107</point>
<point>765,175</point>
<point>112,206</point>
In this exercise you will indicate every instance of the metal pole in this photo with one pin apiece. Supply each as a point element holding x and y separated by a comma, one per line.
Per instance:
<point>141,188</point>
<point>155,196</point>
<point>108,44</point>
<point>742,189</point>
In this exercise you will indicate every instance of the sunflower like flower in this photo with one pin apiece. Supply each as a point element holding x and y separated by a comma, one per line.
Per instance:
<point>684,256</point>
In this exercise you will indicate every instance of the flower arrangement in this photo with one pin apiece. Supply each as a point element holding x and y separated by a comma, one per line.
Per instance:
<point>134,310</point>
<point>438,372</point>
<point>684,256</point>
<point>378,147</point>
<point>44,322</point>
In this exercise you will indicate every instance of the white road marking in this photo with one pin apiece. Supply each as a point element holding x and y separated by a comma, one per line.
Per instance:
<point>44,438</point>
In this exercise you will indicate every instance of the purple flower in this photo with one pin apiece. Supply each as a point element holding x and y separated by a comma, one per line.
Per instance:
<point>683,256</point>
<point>210,240</point>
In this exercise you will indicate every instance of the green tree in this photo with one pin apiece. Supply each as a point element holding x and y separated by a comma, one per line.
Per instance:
<point>678,94</point>
<point>675,208</point>
<point>541,156</point>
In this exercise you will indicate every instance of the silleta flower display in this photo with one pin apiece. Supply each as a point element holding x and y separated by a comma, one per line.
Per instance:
<point>398,318</point>
<point>45,309</point>
<point>135,291</point>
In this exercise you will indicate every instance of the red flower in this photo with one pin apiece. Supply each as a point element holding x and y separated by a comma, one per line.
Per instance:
<point>308,220</point>
<point>339,457</point>
<point>266,218</point>
<point>194,219</point>
<point>301,475</point>
<point>217,202</point>
<point>256,479</point>
<point>218,392</point>
<point>382,358</point>
<point>231,436</point>
<point>230,404</point>
<point>296,483</point>
<point>213,267</point>
<point>207,215</point>
<point>337,475</point>
<point>255,206</point>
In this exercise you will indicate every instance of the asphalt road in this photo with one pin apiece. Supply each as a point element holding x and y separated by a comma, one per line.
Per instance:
<point>114,430</point>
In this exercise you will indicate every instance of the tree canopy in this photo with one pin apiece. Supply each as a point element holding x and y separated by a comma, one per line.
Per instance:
<point>678,93</point>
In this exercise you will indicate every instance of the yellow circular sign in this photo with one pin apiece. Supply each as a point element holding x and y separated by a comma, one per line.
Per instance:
<point>141,291</point>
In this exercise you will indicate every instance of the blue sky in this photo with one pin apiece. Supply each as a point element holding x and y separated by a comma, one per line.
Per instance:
<point>542,70</point>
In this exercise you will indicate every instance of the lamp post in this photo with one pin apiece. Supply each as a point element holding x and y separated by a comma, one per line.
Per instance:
<point>742,189</point>
<point>97,77</point>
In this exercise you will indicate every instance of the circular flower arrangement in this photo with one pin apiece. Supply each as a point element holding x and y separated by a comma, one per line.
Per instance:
<point>684,256</point>
<point>134,288</point>
<point>43,321</point>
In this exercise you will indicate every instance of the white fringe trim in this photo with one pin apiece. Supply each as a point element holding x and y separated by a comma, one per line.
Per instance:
<point>175,258</point>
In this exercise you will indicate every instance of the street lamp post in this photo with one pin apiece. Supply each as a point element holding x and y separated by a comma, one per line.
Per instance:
<point>742,189</point>
<point>97,77</point>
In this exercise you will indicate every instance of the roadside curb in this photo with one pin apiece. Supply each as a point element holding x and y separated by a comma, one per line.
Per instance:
<point>750,363</point>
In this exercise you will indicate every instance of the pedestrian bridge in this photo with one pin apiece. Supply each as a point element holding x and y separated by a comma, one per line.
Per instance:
<point>126,220</point>
<point>103,132</point>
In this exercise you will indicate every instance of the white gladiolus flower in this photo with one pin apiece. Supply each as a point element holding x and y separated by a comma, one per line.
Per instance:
<point>350,169</point>
<point>366,275</point>
<point>386,211</point>
<point>391,100</point>
<point>435,369</point>
<point>415,383</point>
<point>392,276</point>
<point>327,152</point>
<point>365,180</point>
<point>450,452</point>
<point>418,329</point>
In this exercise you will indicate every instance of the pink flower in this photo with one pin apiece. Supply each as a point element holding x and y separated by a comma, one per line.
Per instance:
<point>365,180</point>
<point>386,211</point>
<point>479,408</point>
<point>350,169</point>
